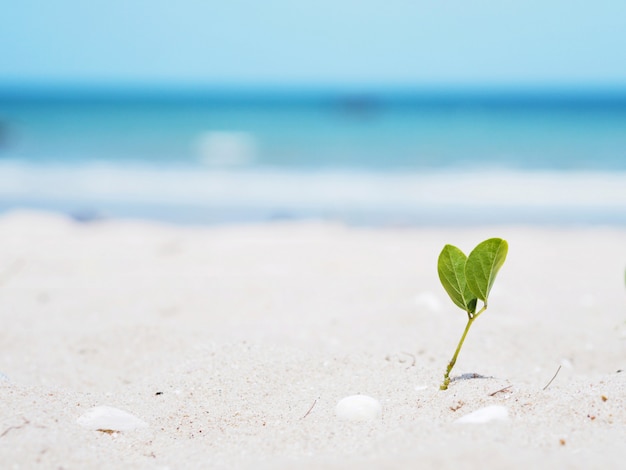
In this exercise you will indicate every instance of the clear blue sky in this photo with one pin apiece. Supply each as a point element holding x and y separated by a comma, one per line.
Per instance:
<point>314,43</point>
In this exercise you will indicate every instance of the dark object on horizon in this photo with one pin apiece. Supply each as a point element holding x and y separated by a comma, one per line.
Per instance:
<point>87,215</point>
<point>4,134</point>
<point>360,105</point>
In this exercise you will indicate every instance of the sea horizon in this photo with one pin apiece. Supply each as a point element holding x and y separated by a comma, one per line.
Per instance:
<point>610,94</point>
<point>368,156</point>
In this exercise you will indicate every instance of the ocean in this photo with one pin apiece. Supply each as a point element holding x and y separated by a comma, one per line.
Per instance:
<point>372,159</point>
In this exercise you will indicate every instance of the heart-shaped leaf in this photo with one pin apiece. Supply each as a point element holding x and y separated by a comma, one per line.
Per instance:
<point>483,264</point>
<point>451,269</point>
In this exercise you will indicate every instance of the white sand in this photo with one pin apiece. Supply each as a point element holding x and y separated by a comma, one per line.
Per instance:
<point>235,345</point>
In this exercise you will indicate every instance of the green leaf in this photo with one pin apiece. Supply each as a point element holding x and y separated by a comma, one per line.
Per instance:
<point>483,264</point>
<point>451,269</point>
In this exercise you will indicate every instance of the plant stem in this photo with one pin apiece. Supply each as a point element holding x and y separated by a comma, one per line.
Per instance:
<point>446,376</point>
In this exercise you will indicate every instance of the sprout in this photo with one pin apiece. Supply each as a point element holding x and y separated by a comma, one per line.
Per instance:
<point>468,279</point>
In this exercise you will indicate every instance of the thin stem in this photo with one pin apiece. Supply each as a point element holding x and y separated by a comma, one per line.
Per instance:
<point>446,376</point>
<point>474,316</point>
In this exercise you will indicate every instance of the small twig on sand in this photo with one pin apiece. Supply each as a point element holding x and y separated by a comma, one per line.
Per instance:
<point>11,428</point>
<point>501,390</point>
<point>310,409</point>
<point>553,377</point>
<point>412,356</point>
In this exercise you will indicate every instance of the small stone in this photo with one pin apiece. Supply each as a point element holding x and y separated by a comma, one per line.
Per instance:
<point>358,408</point>
<point>485,415</point>
<point>109,419</point>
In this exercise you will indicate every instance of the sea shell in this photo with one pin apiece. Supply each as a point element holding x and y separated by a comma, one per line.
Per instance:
<point>358,408</point>
<point>486,414</point>
<point>107,419</point>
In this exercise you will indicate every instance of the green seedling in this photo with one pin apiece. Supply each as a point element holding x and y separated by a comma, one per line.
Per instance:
<point>468,279</point>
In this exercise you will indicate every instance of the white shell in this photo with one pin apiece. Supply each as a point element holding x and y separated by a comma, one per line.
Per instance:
<point>358,408</point>
<point>109,418</point>
<point>486,414</point>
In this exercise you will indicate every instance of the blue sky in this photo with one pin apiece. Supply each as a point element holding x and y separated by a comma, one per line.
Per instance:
<point>315,43</point>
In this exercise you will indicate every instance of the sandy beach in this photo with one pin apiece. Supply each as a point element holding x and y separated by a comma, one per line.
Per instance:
<point>233,345</point>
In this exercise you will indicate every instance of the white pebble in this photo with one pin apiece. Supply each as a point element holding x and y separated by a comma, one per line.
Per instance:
<point>109,419</point>
<point>358,408</point>
<point>486,414</point>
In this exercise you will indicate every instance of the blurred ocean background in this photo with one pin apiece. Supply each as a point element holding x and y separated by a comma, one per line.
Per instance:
<point>375,159</point>
<point>410,127</point>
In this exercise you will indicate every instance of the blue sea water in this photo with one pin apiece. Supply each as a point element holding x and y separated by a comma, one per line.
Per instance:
<point>306,134</point>
<point>394,159</point>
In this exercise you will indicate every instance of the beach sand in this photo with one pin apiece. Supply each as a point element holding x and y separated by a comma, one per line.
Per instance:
<point>234,345</point>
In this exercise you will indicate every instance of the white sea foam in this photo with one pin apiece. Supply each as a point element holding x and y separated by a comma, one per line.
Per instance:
<point>536,193</point>
<point>226,148</point>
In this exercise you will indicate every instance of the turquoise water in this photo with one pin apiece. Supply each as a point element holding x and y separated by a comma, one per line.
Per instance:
<point>367,159</point>
<point>308,135</point>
